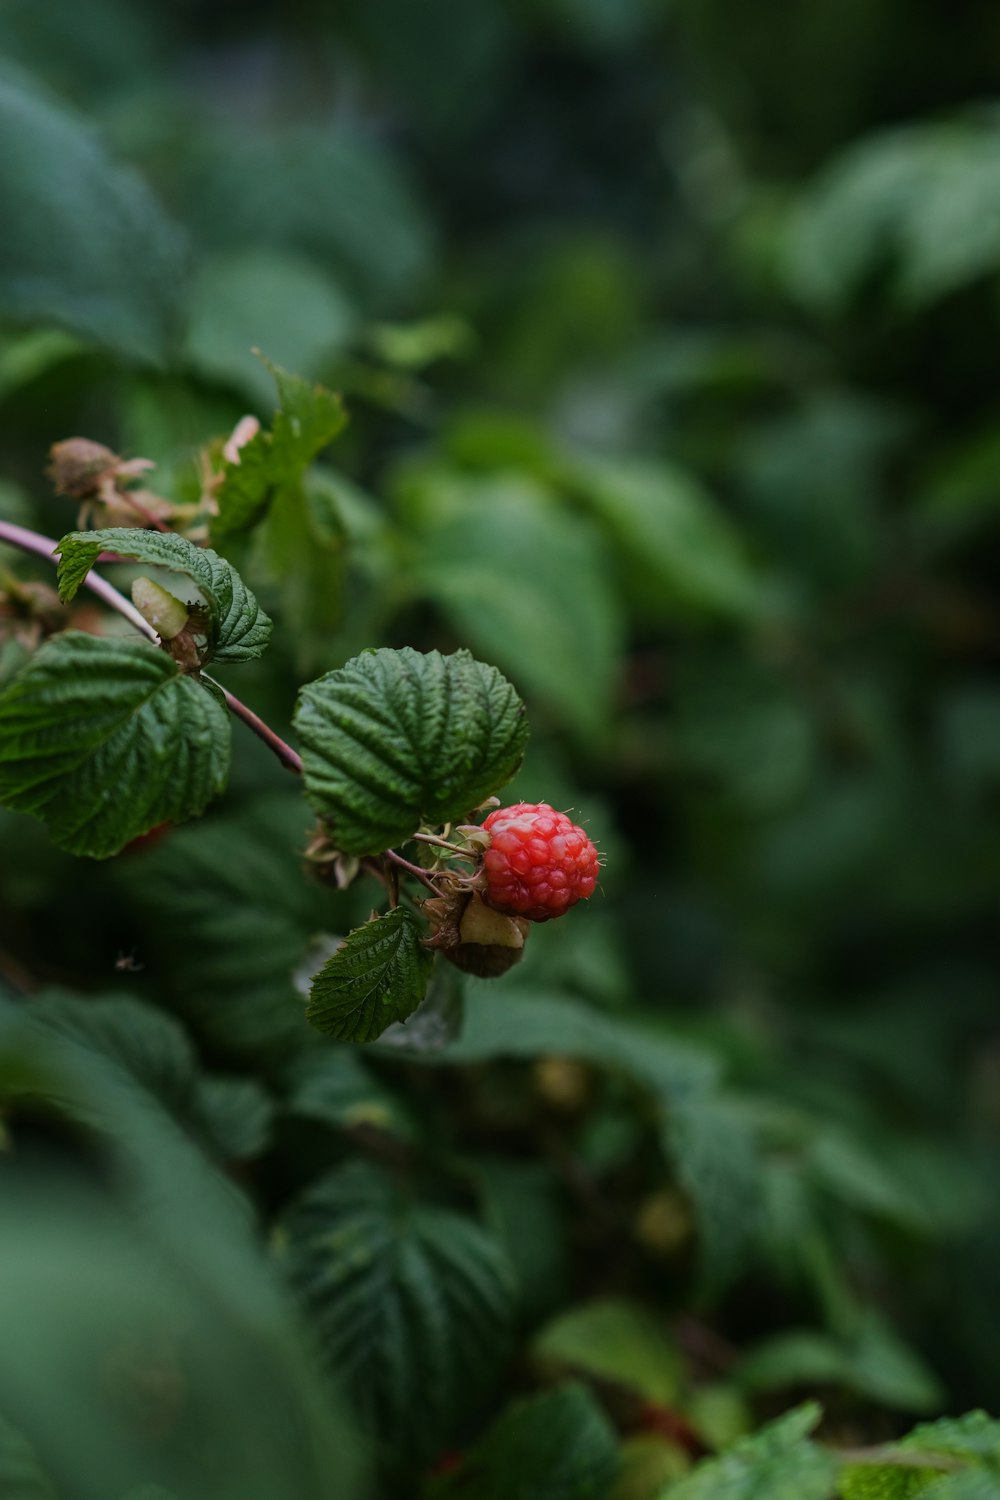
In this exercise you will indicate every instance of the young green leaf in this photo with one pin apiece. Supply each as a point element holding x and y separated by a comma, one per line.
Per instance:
<point>378,975</point>
<point>972,1445</point>
<point>102,739</point>
<point>615,1340</point>
<point>413,1305</point>
<point>779,1462</point>
<point>238,630</point>
<point>308,418</point>
<point>394,739</point>
<point>556,1446</point>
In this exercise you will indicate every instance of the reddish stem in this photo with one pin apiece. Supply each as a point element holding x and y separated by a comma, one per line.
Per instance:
<point>404,864</point>
<point>44,546</point>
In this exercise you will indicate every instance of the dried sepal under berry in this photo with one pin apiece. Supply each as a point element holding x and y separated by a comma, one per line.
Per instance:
<point>472,936</point>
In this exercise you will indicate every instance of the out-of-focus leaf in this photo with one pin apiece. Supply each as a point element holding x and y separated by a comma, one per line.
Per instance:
<point>917,199</point>
<point>540,1024</point>
<point>555,1446</point>
<point>230,1115</point>
<point>814,479</point>
<point>876,1365</point>
<point>647,1464</point>
<point>336,197</point>
<point>777,1463</point>
<point>237,1115</point>
<point>412,1304</point>
<point>250,299</point>
<point>510,570</point>
<point>333,1086</point>
<point>713,1145</point>
<point>845,1168</point>
<point>743,725</point>
<point>163,1306</point>
<point>523,1203</point>
<point>685,556</point>
<point>21,1475</point>
<point>85,243</point>
<point>234,886</point>
<point>614,1340</point>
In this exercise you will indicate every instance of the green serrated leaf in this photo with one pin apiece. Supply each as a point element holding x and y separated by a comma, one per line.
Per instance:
<point>239,629</point>
<point>378,975</point>
<point>308,418</point>
<point>973,1438</point>
<point>777,1463</point>
<point>394,739</point>
<point>102,739</point>
<point>556,1446</point>
<point>614,1340</point>
<point>413,1305</point>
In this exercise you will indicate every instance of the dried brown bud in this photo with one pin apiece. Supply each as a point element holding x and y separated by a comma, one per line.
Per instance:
<point>101,481</point>
<point>29,612</point>
<point>80,468</point>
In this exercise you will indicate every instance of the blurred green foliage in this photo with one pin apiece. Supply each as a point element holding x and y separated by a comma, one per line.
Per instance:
<point>667,334</point>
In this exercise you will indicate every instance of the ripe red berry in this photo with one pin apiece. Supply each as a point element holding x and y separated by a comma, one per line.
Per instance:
<point>539,863</point>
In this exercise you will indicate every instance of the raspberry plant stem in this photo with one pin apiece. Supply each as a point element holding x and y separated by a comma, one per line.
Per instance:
<point>404,864</point>
<point>431,838</point>
<point>44,546</point>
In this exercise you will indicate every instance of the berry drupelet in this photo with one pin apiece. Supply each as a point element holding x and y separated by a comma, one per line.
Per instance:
<point>539,863</point>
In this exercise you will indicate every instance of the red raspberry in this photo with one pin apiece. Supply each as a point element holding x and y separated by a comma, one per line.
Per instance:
<point>539,863</point>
